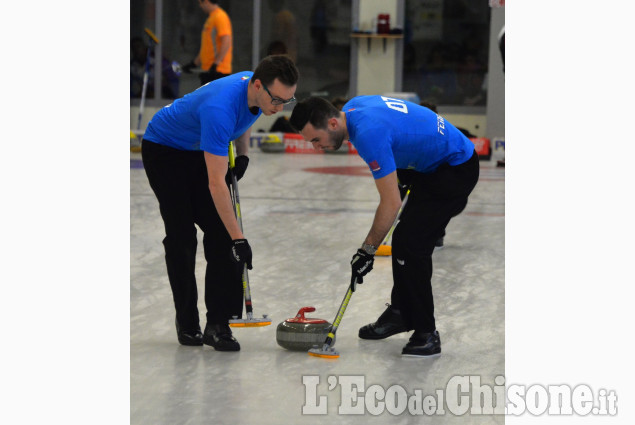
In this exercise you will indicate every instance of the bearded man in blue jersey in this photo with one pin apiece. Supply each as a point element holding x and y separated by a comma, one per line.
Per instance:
<point>185,154</point>
<point>405,142</point>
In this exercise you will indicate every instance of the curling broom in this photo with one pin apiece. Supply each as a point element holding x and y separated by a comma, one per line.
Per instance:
<point>250,321</point>
<point>327,351</point>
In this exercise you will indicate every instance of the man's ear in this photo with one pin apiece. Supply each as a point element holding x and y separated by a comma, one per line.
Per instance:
<point>333,124</point>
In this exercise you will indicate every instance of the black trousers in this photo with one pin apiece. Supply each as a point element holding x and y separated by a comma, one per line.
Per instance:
<point>434,199</point>
<point>208,76</point>
<point>180,182</point>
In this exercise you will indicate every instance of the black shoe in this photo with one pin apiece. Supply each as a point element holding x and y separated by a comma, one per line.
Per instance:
<point>388,324</point>
<point>439,243</point>
<point>194,337</point>
<point>220,337</point>
<point>423,345</point>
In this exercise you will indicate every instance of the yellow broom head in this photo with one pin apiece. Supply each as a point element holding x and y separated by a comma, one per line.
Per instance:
<point>249,324</point>
<point>384,250</point>
<point>324,355</point>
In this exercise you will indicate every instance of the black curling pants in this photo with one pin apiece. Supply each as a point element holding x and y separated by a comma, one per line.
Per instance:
<point>434,199</point>
<point>179,181</point>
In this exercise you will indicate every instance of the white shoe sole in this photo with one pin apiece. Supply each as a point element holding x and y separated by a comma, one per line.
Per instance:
<point>420,356</point>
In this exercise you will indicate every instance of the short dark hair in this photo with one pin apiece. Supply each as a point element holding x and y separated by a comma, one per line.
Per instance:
<point>315,110</point>
<point>339,102</point>
<point>430,106</point>
<point>276,66</point>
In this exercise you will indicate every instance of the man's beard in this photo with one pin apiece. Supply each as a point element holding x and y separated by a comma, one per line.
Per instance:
<point>337,138</point>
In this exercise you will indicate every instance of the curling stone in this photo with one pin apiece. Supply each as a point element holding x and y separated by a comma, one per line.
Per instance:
<point>302,333</point>
<point>272,143</point>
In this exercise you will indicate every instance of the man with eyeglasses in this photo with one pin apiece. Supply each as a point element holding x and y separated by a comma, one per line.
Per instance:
<point>184,151</point>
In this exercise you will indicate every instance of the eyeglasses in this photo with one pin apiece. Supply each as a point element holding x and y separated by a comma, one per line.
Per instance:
<point>277,100</point>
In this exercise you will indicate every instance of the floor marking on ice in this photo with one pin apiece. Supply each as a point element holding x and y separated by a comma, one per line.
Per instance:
<point>356,170</point>
<point>136,163</point>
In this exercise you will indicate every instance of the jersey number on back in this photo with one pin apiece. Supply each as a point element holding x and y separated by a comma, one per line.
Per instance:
<point>396,104</point>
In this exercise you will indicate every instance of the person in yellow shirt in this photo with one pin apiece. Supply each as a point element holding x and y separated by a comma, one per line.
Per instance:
<point>215,54</point>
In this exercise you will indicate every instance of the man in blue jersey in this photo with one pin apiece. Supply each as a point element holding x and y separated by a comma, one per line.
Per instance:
<point>185,155</point>
<point>405,142</point>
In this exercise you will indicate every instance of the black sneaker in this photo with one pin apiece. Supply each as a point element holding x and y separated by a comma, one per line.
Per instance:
<point>439,243</point>
<point>220,337</point>
<point>193,337</point>
<point>423,345</point>
<point>388,324</point>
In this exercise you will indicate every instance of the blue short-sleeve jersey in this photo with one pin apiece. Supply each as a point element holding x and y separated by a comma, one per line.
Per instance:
<point>392,133</point>
<point>206,119</point>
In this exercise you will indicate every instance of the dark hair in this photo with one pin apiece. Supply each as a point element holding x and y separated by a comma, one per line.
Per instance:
<point>339,102</point>
<point>276,66</point>
<point>315,110</point>
<point>277,47</point>
<point>430,106</point>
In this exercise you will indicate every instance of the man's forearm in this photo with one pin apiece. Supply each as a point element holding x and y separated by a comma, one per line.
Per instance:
<point>242,143</point>
<point>383,221</point>
<point>226,42</point>
<point>225,209</point>
<point>216,170</point>
<point>387,210</point>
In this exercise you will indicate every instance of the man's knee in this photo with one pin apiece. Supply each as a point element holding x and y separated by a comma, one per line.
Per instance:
<point>180,241</point>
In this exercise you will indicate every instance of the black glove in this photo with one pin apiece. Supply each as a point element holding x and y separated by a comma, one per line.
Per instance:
<point>240,166</point>
<point>361,264</point>
<point>189,67</point>
<point>241,253</point>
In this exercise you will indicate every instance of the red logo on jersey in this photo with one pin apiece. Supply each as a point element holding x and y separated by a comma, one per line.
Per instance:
<point>374,166</point>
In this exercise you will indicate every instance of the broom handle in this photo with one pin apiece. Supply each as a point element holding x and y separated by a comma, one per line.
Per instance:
<point>236,200</point>
<point>394,224</point>
<point>338,318</point>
